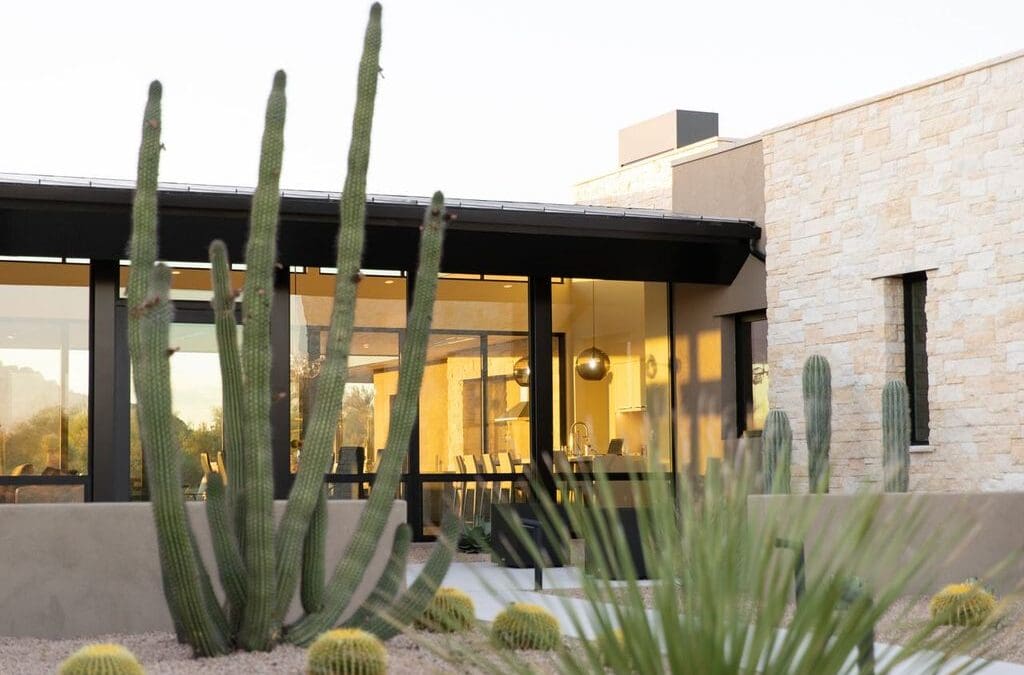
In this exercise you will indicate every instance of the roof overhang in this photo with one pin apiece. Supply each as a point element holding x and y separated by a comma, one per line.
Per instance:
<point>91,219</point>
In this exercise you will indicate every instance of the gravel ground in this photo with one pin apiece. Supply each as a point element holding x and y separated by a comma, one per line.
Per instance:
<point>161,654</point>
<point>905,616</point>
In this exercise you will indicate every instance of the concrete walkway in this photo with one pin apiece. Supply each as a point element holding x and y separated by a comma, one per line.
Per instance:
<point>492,588</point>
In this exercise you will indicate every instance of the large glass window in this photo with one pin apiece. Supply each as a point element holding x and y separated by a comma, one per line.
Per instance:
<point>44,378</point>
<point>915,292</point>
<point>751,372</point>
<point>616,371</point>
<point>196,392</point>
<point>474,404</point>
<point>362,430</point>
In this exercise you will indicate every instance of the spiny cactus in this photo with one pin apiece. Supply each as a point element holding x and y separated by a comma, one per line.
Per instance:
<point>451,611</point>
<point>101,659</point>
<point>896,436</point>
<point>347,651</point>
<point>525,626</point>
<point>817,390</point>
<point>964,604</point>
<point>260,567</point>
<point>776,451</point>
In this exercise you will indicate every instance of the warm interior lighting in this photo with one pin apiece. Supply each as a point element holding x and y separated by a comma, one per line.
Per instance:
<point>592,363</point>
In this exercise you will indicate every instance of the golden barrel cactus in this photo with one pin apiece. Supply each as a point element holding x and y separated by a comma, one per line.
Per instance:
<point>964,604</point>
<point>451,611</point>
<point>101,659</point>
<point>525,626</point>
<point>347,651</point>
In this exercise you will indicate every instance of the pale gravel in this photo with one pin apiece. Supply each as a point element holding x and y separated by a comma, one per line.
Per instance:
<point>161,654</point>
<point>901,620</point>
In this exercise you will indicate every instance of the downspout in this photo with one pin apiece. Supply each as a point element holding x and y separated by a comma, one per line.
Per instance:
<point>755,252</point>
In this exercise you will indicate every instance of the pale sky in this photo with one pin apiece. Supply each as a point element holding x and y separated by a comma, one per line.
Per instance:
<point>499,100</point>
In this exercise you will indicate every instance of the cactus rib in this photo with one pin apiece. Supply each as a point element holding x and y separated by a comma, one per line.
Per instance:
<point>225,547</point>
<point>403,414</point>
<point>320,430</point>
<point>896,436</point>
<point>257,487</point>
<point>223,303</point>
<point>817,392</point>
<point>163,463</point>
<point>777,450</point>
<point>313,566</point>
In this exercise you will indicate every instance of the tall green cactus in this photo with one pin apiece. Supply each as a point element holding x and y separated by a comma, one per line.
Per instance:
<point>259,566</point>
<point>817,389</point>
<point>777,452</point>
<point>896,436</point>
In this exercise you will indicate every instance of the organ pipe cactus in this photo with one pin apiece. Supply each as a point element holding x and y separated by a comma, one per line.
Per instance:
<point>896,436</point>
<point>259,565</point>
<point>817,390</point>
<point>777,452</point>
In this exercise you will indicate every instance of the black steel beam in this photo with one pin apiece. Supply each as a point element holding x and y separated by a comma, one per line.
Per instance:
<point>108,459</point>
<point>541,392</point>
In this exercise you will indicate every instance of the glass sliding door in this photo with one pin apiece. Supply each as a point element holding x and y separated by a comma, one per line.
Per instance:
<point>363,426</point>
<point>474,435</point>
<point>44,381</point>
<point>617,375</point>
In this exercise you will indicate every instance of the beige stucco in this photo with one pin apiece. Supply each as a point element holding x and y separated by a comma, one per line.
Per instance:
<point>74,570</point>
<point>930,178</point>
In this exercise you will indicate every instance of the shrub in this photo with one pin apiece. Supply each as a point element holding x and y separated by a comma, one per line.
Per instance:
<point>964,604</point>
<point>347,651</point>
<point>101,659</point>
<point>451,611</point>
<point>526,626</point>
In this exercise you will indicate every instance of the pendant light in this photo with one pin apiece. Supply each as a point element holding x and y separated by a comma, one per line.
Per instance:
<point>521,372</point>
<point>592,363</point>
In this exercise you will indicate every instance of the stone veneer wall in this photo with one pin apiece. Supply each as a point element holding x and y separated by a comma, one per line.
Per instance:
<point>927,178</point>
<point>645,184</point>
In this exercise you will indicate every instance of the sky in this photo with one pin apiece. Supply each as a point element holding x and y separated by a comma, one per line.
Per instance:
<point>493,100</point>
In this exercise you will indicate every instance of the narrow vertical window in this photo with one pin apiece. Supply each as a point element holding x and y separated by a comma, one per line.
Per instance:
<point>915,337</point>
<point>751,372</point>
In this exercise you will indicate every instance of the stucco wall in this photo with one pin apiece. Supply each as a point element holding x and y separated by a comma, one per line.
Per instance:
<point>83,570</point>
<point>646,183</point>
<point>927,178</point>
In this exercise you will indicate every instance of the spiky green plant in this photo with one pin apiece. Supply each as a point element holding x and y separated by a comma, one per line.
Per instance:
<point>776,451</point>
<point>817,391</point>
<point>720,598</point>
<point>896,436</point>
<point>259,566</point>
<point>451,611</point>
<point>101,659</point>
<point>347,651</point>
<point>964,604</point>
<point>525,626</point>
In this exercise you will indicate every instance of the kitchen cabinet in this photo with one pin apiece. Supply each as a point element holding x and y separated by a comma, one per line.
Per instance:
<point>628,390</point>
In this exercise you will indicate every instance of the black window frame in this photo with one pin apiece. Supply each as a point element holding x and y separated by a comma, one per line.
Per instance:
<point>911,324</point>
<point>744,366</point>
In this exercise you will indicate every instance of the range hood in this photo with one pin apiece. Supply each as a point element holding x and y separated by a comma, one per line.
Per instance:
<point>520,411</point>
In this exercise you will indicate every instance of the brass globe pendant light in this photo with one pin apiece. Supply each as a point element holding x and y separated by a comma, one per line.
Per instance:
<point>521,372</point>
<point>592,364</point>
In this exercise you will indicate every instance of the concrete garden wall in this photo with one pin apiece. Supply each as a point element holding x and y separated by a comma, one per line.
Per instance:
<point>963,535</point>
<point>81,570</point>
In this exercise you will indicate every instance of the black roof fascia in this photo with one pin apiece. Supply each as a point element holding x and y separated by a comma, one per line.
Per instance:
<point>487,237</point>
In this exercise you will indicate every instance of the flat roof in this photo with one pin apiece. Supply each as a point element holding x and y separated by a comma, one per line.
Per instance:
<point>90,218</point>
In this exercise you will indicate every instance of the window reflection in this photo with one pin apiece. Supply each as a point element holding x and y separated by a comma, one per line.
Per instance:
<point>44,377</point>
<point>621,421</point>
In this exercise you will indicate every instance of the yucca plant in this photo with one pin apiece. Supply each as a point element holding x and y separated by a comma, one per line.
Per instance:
<point>723,585</point>
<point>259,566</point>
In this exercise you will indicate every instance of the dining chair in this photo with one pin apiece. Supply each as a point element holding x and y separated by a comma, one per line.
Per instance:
<point>472,494</point>
<point>490,487</point>
<point>505,466</point>
<point>460,488</point>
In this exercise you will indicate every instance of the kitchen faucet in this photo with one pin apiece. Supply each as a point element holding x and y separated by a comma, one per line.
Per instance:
<point>580,438</point>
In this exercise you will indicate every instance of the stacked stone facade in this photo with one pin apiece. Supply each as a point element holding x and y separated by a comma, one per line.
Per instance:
<point>929,178</point>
